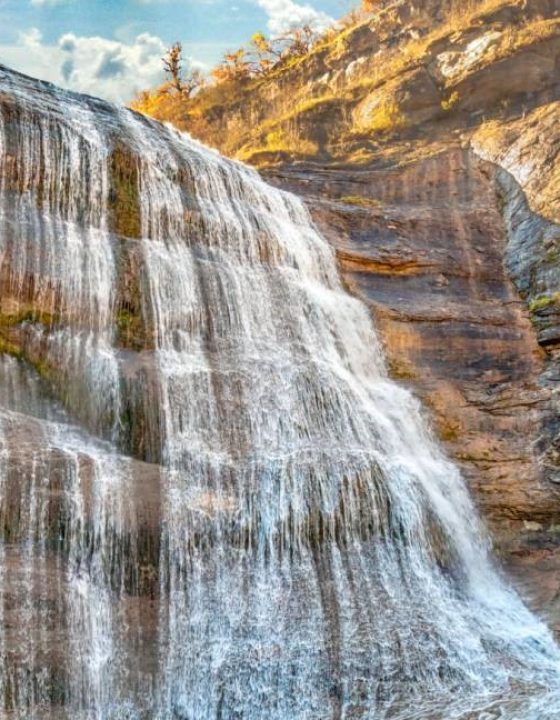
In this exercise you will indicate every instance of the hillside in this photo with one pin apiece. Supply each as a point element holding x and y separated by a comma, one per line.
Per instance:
<point>393,84</point>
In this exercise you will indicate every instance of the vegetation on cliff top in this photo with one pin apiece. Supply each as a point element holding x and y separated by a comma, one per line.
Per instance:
<point>378,72</point>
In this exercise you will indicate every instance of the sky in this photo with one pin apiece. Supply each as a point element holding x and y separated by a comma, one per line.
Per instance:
<point>113,48</point>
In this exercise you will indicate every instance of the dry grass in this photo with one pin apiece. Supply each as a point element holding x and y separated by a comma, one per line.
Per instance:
<point>450,102</point>
<point>464,12</point>
<point>284,93</point>
<point>386,117</point>
<point>278,142</point>
<point>465,15</point>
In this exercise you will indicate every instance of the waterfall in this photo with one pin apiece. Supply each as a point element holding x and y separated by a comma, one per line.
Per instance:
<point>214,502</point>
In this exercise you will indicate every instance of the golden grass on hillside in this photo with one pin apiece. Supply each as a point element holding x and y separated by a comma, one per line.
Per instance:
<point>417,51</point>
<point>284,112</point>
<point>277,143</point>
<point>405,57</point>
<point>463,12</point>
<point>386,116</point>
<point>449,103</point>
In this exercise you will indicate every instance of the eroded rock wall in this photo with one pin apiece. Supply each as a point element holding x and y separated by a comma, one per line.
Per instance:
<point>429,247</point>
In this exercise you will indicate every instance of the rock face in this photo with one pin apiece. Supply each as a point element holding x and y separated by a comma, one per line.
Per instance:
<point>430,248</point>
<point>527,152</point>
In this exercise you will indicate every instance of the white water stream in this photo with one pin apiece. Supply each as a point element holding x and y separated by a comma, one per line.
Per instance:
<point>318,555</point>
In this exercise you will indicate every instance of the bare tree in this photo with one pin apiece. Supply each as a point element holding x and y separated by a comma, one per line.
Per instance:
<point>267,51</point>
<point>184,82</point>
<point>173,65</point>
<point>300,40</point>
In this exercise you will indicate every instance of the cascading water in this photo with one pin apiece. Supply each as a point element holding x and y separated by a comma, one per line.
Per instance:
<point>296,546</point>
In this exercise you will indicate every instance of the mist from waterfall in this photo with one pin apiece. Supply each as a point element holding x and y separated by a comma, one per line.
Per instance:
<point>297,546</point>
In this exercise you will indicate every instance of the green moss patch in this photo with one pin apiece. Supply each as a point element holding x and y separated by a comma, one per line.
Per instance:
<point>543,301</point>
<point>361,201</point>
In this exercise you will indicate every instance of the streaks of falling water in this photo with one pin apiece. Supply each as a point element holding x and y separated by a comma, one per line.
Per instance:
<point>62,493</point>
<point>65,643</point>
<point>319,557</point>
<point>56,251</point>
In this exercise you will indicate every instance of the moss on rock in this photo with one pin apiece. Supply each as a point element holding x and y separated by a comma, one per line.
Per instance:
<point>124,197</point>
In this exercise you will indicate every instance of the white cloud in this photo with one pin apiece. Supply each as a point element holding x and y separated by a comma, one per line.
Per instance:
<point>283,15</point>
<point>113,69</point>
<point>31,38</point>
<point>95,65</point>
